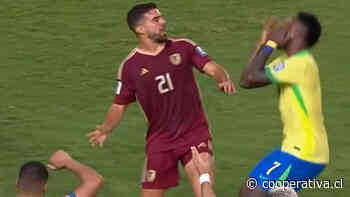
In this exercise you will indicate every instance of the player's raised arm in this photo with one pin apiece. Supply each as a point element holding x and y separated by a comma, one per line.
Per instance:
<point>268,27</point>
<point>90,180</point>
<point>124,95</point>
<point>254,74</point>
<point>203,63</point>
<point>221,76</point>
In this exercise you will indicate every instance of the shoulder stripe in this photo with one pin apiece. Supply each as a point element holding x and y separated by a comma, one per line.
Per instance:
<point>184,39</point>
<point>120,70</point>
<point>299,97</point>
<point>270,75</point>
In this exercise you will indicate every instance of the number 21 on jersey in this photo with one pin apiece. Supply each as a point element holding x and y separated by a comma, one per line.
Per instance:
<point>164,83</point>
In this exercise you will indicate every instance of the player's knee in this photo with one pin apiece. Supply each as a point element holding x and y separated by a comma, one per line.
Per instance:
<point>152,193</point>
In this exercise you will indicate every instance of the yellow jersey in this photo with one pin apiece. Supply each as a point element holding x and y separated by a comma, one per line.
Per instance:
<point>304,133</point>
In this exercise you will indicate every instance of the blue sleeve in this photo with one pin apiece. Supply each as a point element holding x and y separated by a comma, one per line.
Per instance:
<point>72,194</point>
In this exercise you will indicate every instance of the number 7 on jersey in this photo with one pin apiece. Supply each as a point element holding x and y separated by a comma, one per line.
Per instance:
<point>276,164</point>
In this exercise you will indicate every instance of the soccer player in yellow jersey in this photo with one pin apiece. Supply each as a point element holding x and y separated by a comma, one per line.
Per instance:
<point>304,151</point>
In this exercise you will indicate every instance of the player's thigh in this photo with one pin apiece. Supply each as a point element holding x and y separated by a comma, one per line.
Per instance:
<point>253,186</point>
<point>152,193</point>
<point>300,172</point>
<point>271,168</point>
<point>205,152</point>
<point>160,172</point>
<point>281,169</point>
<point>193,175</point>
<point>191,170</point>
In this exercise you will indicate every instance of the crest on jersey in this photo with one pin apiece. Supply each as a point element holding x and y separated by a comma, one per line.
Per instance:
<point>278,67</point>
<point>175,58</point>
<point>151,175</point>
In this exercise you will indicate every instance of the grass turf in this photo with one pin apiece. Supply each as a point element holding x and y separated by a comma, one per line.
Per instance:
<point>57,79</point>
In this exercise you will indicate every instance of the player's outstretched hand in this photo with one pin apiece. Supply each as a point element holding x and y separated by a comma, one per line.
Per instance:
<point>202,166</point>
<point>58,160</point>
<point>227,87</point>
<point>97,137</point>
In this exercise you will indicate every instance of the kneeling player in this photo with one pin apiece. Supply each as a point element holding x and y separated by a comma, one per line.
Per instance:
<point>33,176</point>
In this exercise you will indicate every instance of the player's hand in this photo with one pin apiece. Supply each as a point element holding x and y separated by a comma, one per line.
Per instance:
<point>269,25</point>
<point>227,87</point>
<point>202,166</point>
<point>58,160</point>
<point>279,35</point>
<point>97,137</point>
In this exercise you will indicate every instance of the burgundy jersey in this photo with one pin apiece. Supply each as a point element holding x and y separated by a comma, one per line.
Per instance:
<point>165,86</point>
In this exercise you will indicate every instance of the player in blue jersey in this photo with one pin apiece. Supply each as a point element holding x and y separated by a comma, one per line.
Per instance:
<point>33,176</point>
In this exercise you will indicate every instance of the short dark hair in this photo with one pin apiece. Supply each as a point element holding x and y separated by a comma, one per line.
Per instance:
<point>32,173</point>
<point>136,13</point>
<point>313,27</point>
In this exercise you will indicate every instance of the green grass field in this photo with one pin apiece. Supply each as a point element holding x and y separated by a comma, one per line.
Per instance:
<point>57,78</point>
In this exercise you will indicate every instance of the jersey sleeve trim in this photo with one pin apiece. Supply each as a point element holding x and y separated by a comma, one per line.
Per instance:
<point>120,70</point>
<point>202,65</point>
<point>123,101</point>
<point>270,75</point>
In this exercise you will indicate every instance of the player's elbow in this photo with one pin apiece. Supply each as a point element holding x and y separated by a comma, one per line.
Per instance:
<point>99,182</point>
<point>96,182</point>
<point>247,81</point>
<point>90,186</point>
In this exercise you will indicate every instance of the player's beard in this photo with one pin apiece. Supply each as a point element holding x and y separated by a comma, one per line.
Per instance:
<point>159,38</point>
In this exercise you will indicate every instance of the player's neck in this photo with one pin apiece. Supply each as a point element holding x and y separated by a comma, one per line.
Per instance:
<point>150,47</point>
<point>294,47</point>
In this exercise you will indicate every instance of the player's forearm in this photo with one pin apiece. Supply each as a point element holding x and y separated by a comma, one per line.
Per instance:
<point>257,48</point>
<point>207,190</point>
<point>113,118</point>
<point>216,72</point>
<point>90,180</point>
<point>253,74</point>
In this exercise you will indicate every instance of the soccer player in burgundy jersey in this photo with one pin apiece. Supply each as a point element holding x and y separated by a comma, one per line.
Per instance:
<point>159,75</point>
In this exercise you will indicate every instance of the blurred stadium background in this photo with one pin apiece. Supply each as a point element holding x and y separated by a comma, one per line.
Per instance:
<point>57,78</point>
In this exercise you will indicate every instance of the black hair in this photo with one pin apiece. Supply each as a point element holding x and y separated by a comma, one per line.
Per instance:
<point>313,26</point>
<point>136,13</point>
<point>31,174</point>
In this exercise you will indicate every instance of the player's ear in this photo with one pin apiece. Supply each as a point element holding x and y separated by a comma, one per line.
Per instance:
<point>140,30</point>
